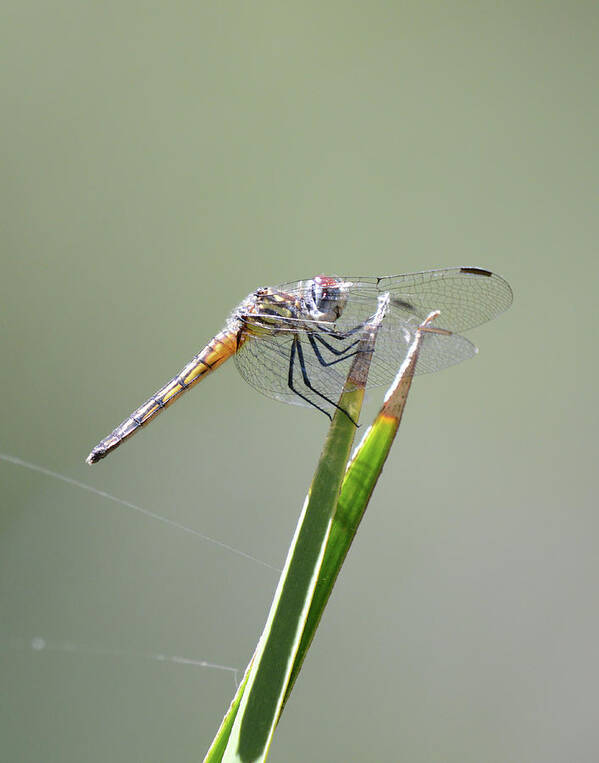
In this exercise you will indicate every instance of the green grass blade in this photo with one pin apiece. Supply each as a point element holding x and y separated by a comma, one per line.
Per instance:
<point>219,744</point>
<point>255,717</point>
<point>359,482</point>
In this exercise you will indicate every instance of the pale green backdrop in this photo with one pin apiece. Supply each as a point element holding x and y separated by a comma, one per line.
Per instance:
<point>159,162</point>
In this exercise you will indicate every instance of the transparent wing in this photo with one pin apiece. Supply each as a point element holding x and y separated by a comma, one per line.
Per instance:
<point>315,374</point>
<point>306,362</point>
<point>264,362</point>
<point>437,351</point>
<point>466,297</point>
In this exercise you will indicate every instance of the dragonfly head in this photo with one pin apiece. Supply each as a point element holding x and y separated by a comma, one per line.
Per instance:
<point>328,297</point>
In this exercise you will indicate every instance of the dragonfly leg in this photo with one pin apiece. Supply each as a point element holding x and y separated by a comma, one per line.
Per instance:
<point>312,339</point>
<point>330,347</point>
<point>300,354</point>
<point>340,335</point>
<point>290,380</point>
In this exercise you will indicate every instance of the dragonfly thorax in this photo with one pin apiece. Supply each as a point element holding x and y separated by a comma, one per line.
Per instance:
<point>268,311</point>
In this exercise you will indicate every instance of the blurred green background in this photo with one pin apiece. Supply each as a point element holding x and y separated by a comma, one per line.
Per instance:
<point>159,162</point>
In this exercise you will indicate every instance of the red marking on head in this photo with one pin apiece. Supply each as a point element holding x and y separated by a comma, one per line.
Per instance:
<point>326,281</point>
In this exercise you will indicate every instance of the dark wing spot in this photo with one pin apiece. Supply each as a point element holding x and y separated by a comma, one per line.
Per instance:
<point>476,271</point>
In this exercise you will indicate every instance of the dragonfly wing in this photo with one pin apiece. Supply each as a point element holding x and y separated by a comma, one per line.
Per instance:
<point>306,362</point>
<point>437,351</point>
<point>318,374</point>
<point>267,361</point>
<point>466,296</point>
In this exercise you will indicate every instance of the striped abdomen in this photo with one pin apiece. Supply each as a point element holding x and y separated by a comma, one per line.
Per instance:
<point>211,357</point>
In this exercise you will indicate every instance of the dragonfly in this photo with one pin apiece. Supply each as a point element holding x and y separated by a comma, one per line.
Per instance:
<point>295,342</point>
